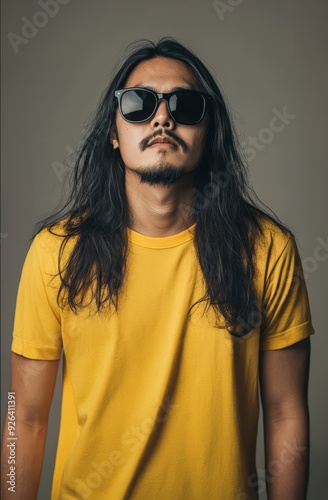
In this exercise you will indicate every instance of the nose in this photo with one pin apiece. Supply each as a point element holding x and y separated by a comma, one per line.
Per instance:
<point>162,117</point>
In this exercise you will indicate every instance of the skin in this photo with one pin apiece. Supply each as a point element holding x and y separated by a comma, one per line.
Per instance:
<point>284,377</point>
<point>33,382</point>
<point>155,212</point>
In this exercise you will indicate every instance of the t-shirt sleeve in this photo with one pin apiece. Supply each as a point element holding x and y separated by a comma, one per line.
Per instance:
<point>37,322</point>
<point>286,312</point>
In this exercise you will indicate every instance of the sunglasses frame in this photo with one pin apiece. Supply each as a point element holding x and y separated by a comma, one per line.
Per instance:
<point>160,96</point>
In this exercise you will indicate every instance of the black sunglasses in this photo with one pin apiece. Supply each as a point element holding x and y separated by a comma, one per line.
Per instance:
<point>138,104</point>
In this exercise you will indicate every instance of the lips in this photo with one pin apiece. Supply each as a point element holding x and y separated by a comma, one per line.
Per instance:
<point>162,140</point>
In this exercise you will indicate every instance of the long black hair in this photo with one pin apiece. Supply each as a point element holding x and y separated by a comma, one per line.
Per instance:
<point>96,213</point>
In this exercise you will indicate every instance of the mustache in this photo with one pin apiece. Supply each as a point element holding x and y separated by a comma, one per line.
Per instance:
<point>143,144</point>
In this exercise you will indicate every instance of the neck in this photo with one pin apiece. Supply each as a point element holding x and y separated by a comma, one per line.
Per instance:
<point>160,211</point>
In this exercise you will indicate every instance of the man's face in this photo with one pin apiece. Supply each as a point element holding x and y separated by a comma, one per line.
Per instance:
<point>161,75</point>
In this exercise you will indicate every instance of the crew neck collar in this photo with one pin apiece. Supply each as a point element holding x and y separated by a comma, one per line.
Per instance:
<point>162,242</point>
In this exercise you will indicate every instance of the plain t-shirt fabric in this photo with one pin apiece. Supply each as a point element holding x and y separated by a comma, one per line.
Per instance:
<point>158,403</point>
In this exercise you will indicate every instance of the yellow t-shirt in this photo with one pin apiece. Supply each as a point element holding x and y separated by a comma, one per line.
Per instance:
<point>158,404</point>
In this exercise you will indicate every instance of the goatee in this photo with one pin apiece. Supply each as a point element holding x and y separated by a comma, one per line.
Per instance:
<point>160,175</point>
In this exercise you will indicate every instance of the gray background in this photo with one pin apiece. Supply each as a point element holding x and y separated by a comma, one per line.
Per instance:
<point>266,55</point>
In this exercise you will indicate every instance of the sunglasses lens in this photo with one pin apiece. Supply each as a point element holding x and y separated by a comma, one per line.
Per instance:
<point>187,107</point>
<point>137,105</point>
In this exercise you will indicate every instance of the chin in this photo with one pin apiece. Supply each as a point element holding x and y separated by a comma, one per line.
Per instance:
<point>163,175</point>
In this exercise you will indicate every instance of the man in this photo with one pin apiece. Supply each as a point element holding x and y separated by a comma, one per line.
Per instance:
<point>170,295</point>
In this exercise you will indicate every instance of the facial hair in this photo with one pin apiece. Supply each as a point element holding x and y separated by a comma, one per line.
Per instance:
<point>160,174</point>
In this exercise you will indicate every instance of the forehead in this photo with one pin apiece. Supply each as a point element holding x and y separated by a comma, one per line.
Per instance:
<point>161,73</point>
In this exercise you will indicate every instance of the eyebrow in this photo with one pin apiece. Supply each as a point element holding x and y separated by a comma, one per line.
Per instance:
<point>149,87</point>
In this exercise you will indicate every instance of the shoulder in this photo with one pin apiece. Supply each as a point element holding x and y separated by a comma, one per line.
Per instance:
<point>53,241</point>
<point>275,238</point>
<point>275,246</point>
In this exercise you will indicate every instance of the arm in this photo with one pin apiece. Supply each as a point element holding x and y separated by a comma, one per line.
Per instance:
<point>33,382</point>
<point>284,381</point>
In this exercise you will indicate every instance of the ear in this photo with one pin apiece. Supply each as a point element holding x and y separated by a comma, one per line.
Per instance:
<point>113,139</point>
